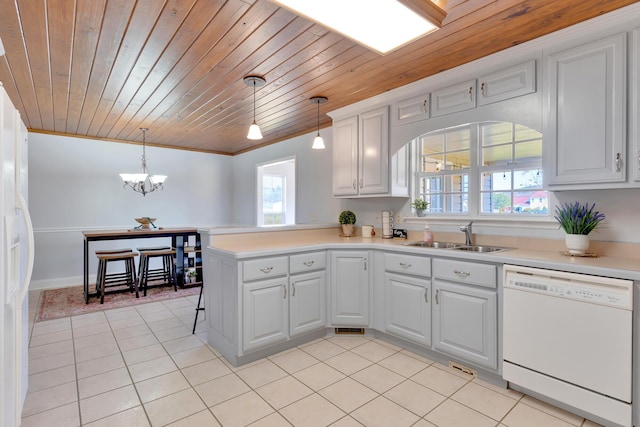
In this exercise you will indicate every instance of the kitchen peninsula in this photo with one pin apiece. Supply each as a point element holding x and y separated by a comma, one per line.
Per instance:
<point>267,291</point>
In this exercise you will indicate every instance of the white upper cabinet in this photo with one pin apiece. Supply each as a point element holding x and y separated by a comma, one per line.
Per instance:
<point>634,114</point>
<point>585,122</point>
<point>452,99</point>
<point>411,110</point>
<point>507,83</point>
<point>361,161</point>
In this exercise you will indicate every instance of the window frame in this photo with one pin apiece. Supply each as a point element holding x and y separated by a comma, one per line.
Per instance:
<point>475,172</point>
<point>287,168</point>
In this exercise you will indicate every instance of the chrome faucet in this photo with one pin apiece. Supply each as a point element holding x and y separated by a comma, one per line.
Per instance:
<point>466,229</point>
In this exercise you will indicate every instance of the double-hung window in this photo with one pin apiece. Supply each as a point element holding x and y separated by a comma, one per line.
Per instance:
<point>488,168</point>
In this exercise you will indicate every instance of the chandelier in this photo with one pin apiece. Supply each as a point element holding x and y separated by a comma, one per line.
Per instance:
<point>143,182</point>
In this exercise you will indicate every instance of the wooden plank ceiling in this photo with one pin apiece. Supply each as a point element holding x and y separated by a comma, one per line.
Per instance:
<point>105,68</point>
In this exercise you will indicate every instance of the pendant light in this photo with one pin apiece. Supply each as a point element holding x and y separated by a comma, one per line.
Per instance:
<point>254,129</point>
<point>318,142</point>
<point>143,182</point>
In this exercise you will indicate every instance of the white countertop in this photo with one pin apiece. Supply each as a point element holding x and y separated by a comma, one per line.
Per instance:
<point>261,242</point>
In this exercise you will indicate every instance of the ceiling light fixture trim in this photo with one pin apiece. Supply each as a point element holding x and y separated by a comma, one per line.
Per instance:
<point>380,25</point>
<point>318,142</point>
<point>254,81</point>
<point>143,182</point>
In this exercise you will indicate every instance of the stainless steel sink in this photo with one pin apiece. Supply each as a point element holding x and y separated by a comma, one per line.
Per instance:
<point>458,246</point>
<point>436,245</point>
<point>478,248</point>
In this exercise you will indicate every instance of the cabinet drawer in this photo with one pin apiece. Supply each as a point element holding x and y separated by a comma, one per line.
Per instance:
<point>307,262</point>
<point>264,267</point>
<point>408,264</point>
<point>465,272</point>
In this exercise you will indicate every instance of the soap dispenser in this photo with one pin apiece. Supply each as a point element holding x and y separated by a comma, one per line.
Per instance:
<point>428,236</point>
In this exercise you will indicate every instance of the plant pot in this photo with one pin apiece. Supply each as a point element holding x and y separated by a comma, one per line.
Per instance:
<point>347,229</point>
<point>421,212</point>
<point>577,244</point>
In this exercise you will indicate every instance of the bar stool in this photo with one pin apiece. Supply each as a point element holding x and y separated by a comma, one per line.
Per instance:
<point>166,273</point>
<point>127,278</point>
<point>198,310</point>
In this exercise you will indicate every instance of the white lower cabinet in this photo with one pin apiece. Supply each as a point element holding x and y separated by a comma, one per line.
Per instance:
<point>265,312</point>
<point>408,307</point>
<point>465,322</point>
<point>307,302</point>
<point>350,277</point>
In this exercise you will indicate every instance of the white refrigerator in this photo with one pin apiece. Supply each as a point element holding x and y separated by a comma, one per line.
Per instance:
<point>16,263</point>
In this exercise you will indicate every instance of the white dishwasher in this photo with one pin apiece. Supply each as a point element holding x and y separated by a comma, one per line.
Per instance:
<point>568,337</point>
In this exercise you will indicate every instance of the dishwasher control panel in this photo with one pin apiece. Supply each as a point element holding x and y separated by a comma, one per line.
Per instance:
<point>580,287</point>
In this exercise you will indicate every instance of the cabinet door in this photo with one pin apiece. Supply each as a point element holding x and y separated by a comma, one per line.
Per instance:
<point>411,110</point>
<point>307,302</point>
<point>345,157</point>
<point>408,307</point>
<point>265,308</point>
<point>350,288</point>
<point>507,83</point>
<point>465,323</point>
<point>374,152</point>
<point>584,128</point>
<point>634,114</point>
<point>400,172</point>
<point>454,98</point>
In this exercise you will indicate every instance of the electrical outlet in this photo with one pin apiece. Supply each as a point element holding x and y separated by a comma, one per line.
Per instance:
<point>314,216</point>
<point>398,219</point>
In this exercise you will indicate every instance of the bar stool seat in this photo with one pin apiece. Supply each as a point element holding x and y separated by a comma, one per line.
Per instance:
<point>166,273</point>
<point>127,278</point>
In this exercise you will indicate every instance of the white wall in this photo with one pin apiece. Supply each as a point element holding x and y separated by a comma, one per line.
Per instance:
<point>74,186</point>
<point>314,202</point>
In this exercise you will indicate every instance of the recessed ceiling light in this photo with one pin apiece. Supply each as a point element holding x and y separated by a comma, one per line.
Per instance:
<point>380,25</point>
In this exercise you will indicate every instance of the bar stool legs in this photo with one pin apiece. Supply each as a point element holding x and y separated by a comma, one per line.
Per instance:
<point>198,309</point>
<point>166,274</point>
<point>127,278</point>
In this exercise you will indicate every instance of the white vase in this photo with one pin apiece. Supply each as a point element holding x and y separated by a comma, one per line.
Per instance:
<point>577,244</point>
<point>347,229</point>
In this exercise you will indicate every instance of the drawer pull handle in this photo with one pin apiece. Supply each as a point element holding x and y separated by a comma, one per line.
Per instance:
<point>425,106</point>
<point>482,90</point>
<point>437,300</point>
<point>618,162</point>
<point>462,273</point>
<point>405,265</point>
<point>266,270</point>
<point>284,295</point>
<point>293,289</point>
<point>471,93</point>
<point>308,263</point>
<point>354,184</point>
<point>426,295</point>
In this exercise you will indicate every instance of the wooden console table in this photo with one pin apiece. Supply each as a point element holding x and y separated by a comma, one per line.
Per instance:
<point>179,238</point>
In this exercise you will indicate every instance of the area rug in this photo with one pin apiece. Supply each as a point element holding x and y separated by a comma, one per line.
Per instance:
<point>63,302</point>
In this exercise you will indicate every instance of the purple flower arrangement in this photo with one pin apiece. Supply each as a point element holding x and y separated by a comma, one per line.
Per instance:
<point>575,218</point>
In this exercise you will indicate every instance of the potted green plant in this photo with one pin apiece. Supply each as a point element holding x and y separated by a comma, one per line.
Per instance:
<point>420,205</point>
<point>190,275</point>
<point>347,219</point>
<point>578,220</point>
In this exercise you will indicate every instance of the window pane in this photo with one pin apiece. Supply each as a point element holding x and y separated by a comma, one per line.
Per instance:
<point>531,151</point>
<point>432,163</point>
<point>492,181</point>
<point>457,203</point>
<point>531,202</point>
<point>432,144</point>
<point>497,155</point>
<point>527,178</point>
<point>496,202</point>
<point>524,133</point>
<point>458,139</point>
<point>458,160</point>
<point>496,133</point>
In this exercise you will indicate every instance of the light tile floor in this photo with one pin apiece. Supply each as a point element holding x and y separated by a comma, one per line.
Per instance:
<point>141,366</point>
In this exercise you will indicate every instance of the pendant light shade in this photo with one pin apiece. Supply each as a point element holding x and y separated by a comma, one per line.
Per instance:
<point>318,142</point>
<point>254,129</point>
